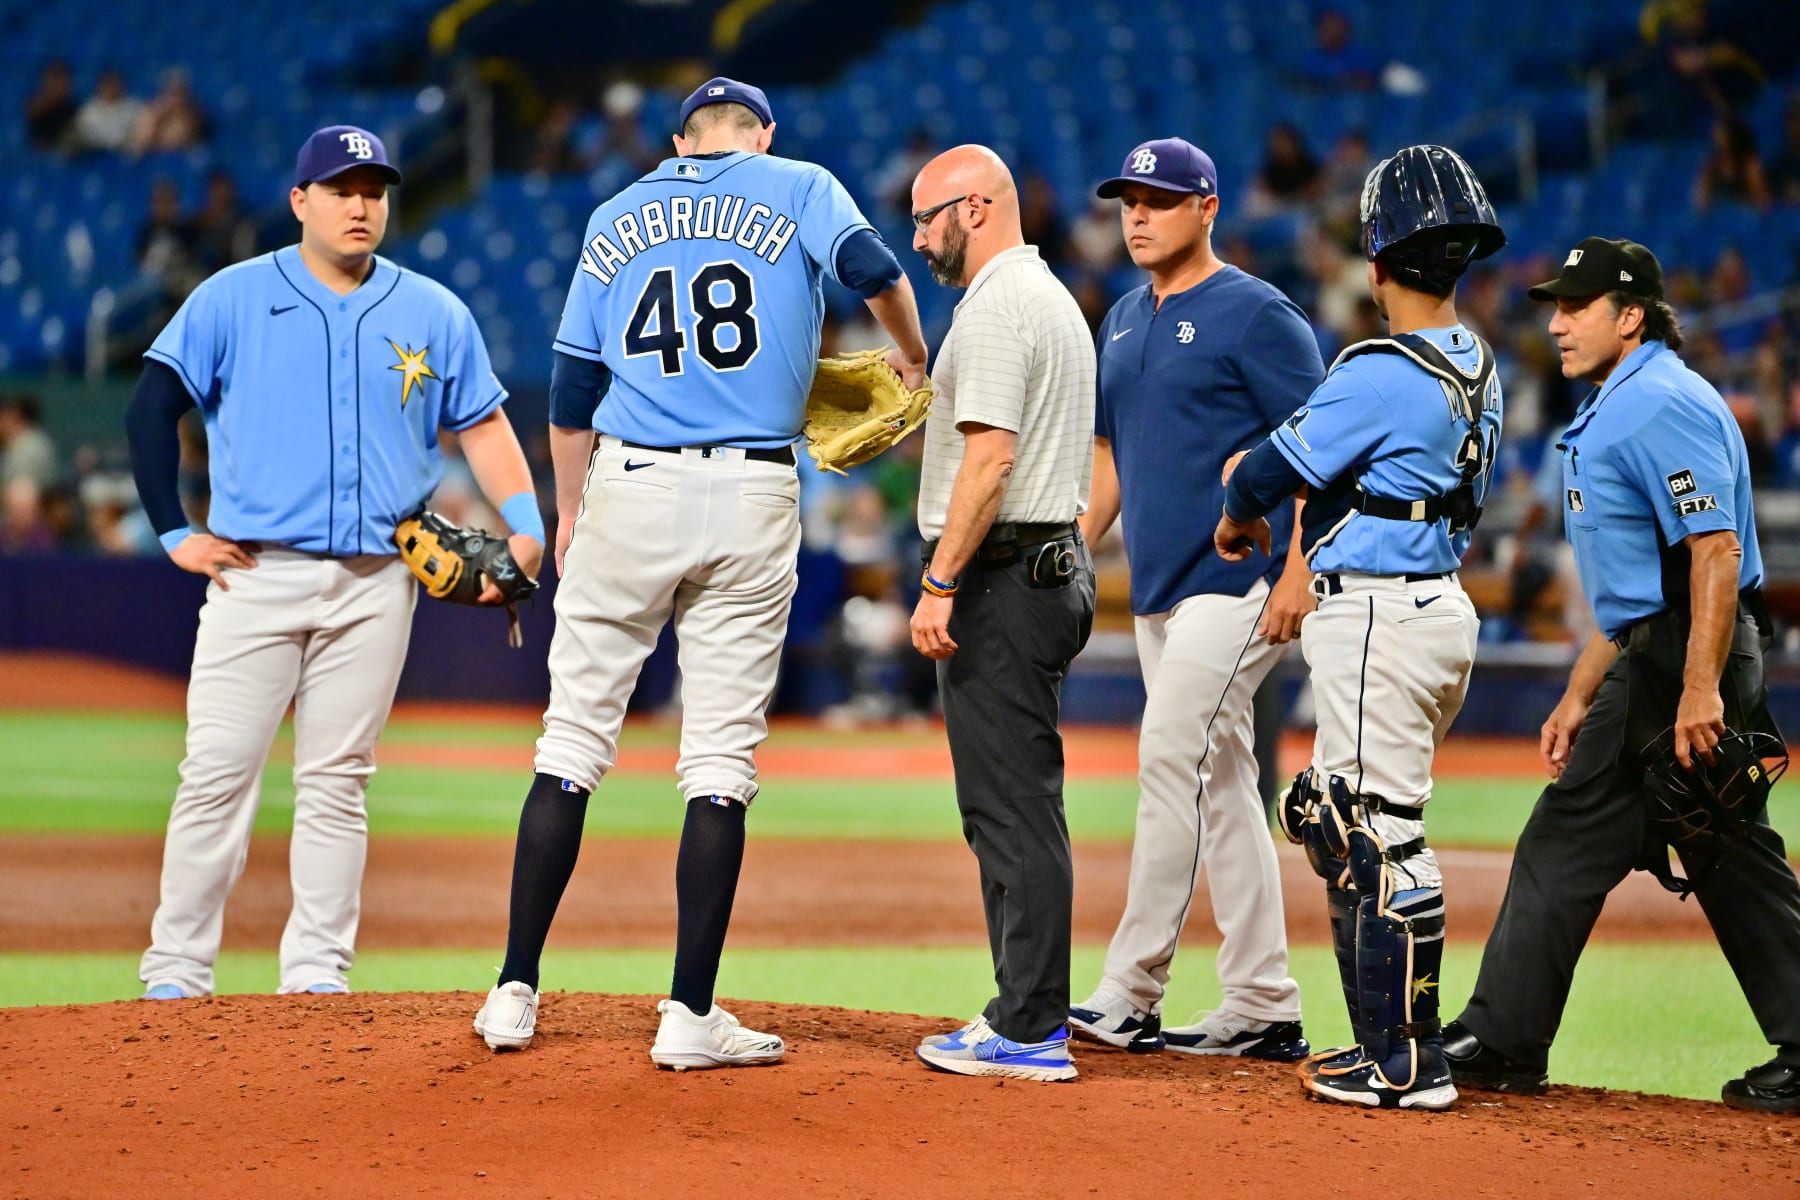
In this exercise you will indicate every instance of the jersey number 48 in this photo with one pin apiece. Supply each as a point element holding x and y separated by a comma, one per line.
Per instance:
<point>657,326</point>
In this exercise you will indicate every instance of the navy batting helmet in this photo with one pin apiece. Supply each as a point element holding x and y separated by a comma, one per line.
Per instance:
<point>1426,215</point>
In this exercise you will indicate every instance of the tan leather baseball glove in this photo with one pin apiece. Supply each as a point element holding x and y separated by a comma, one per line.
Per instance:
<point>858,407</point>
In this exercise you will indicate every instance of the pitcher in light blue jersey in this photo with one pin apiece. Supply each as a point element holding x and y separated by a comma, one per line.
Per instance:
<point>324,375</point>
<point>688,344</point>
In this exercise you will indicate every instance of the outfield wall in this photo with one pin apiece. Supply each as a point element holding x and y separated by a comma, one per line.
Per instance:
<point>143,612</point>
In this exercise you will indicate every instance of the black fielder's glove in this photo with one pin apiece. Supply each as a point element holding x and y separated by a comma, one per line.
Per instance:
<point>457,564</point>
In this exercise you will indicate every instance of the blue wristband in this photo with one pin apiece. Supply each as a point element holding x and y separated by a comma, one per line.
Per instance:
<point>522,515</point>
<point>174,538</point>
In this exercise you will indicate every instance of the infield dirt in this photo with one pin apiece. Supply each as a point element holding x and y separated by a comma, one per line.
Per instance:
<point>392,1095</point>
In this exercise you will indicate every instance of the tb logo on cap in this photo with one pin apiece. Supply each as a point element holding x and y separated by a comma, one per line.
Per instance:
<point>357,144</point>
<point>1143,162</point>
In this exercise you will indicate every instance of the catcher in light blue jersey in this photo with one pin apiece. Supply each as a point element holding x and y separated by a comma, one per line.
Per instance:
<point>688,344</point>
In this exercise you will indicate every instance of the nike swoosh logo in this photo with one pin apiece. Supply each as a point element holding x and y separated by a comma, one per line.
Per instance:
<point>276,312</point>
<point>631,466</point>
<point>1120,334</point>
<point>1423,603</point>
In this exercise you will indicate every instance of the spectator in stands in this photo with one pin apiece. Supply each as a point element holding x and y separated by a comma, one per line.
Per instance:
<point>1346,167</point>
<point>1784,169</point>
<point>1335,62</point>
<point>1732,170</point>
<point>110,116</point>
<point>553,142</point>
<point>24,522</point>
<point>1290,174</point>
<point>220,234</point>
<point>165,245</point>
<point>621,134</point>
<point>893,179</point>
<point>1728,284</point>
<point>1700,51</point>
<point>1094,245</point>
<point>50,113</point>
<point>116,523</point>
<point>173,120</point>
<point>27,453</point>
<point>1040,220</point>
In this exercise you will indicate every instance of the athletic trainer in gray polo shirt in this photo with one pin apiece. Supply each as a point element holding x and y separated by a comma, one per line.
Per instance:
<point>1008,591</point>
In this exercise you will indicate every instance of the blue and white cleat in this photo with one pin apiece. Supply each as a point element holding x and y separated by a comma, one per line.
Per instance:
<point>978,1049</point>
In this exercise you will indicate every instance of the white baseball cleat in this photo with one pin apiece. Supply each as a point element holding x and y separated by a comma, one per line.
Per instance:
<point>687,1042</point>
<point>508,1017</point>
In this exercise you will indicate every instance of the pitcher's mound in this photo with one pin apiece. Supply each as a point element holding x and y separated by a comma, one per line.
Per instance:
<point>392,1094</point>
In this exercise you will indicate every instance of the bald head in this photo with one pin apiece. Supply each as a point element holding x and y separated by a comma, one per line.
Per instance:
<point>977,217</point>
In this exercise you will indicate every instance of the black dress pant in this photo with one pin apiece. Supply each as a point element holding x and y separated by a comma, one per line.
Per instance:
<point>1586,833</point>
<point>1002,692</point>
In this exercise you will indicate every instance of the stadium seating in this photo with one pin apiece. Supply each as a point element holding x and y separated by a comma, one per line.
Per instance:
<point>1057,88</point>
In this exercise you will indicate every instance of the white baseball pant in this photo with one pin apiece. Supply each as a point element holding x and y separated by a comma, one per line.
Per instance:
<point>1390,663</point>
<point>328,634</point>
<point>1198,804</point>
<point>709,538</point>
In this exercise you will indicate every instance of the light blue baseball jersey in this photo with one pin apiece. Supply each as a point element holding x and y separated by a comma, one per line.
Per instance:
<point>1651,457</point>
<point>699,288</point>
<point>322,411</point>
<point>1395,428</point>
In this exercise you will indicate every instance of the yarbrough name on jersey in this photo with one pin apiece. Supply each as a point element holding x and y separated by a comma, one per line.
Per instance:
<point>719,217</point>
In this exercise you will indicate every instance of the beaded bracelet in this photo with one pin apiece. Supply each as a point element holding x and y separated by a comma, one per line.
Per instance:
<point>936,587</point>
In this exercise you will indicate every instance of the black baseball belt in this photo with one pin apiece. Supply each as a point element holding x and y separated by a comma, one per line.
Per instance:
<point>1007,541</point>
<point>781,454</point>
<point>1330,583</point>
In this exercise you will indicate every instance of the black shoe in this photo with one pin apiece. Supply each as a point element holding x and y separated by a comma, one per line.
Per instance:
<point>1473,1065</point>
<point>1773,1087</point>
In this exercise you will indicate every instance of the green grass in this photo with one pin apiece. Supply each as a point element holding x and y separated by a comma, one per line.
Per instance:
<point>115,773</point>
<point>1664,1019</point>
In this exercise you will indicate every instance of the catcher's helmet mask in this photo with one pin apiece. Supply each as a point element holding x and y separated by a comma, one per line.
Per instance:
<point>1704,810</point>
<point>1425,216</point>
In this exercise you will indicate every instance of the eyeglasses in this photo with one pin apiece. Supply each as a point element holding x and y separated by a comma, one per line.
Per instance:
<point>924,217</point>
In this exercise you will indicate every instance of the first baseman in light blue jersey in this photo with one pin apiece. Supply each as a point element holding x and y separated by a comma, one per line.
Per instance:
<point>688,342</point>
<point>322,411</point>
<point>699,283</point>
<point>324,375</point>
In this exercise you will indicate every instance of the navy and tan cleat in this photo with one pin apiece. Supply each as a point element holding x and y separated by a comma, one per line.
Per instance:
<point>1113,1020</point>
<point>1234,1035</point>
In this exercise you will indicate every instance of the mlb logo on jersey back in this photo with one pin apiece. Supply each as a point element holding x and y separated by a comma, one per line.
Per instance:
<point>1681,483</point>
<point>687,170</point>
<point>1576,504</point>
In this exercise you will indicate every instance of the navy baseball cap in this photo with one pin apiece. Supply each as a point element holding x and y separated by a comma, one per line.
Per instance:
<point>727,91</point>
<point>1173,164</point>
<point>335,149</point>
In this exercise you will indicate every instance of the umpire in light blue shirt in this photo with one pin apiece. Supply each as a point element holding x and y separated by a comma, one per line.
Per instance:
<point>1656,491</point>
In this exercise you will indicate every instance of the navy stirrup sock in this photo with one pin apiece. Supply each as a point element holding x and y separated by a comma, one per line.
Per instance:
<point>543,860</point>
